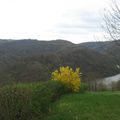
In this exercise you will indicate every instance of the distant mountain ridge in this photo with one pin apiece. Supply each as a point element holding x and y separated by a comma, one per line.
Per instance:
<point>25,60</point>
<point>33,46</point>
<point>55,44</point>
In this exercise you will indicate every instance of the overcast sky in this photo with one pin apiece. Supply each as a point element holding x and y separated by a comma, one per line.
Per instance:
<point>74,20</point>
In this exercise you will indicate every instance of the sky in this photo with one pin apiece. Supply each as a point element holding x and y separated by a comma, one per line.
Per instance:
<point>74,20</point>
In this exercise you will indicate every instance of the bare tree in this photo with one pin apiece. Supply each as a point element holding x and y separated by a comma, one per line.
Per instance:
<point>112,21</point>
<point>112,26</point>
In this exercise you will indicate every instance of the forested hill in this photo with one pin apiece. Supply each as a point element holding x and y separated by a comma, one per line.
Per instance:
<point>28,47</point>
<point>33,60</point>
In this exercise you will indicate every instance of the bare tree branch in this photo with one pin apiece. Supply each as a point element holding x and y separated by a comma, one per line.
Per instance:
<point>112,20</point>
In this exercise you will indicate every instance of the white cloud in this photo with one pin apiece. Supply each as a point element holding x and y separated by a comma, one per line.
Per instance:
<point>48,19</point>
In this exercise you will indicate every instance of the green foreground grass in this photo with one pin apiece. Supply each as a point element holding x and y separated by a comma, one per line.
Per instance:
<point>87,106</point>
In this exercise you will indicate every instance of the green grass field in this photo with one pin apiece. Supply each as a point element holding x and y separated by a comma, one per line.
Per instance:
<point>87,106</point>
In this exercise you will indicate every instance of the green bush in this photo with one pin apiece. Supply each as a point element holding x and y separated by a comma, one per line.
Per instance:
<point>57,89</point>
<point>41,98</point>
<point>83,87</point>
<point>28,102</point>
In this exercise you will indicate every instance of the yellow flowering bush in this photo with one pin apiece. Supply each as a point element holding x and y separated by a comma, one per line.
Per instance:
<point>68,77</point>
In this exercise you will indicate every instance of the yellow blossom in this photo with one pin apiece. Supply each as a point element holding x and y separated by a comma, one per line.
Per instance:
<point>68,77</point>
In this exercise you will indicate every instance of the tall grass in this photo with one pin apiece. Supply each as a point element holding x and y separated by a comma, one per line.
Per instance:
<point>24,101</point>
<point>29,101</point>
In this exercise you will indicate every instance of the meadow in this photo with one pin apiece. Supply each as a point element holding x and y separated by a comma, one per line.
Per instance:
<point>87,106</point>
<point>48,101</point>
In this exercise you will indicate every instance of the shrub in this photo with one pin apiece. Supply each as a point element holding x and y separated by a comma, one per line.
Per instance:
<point>24,103</point>
<point>83,87</point>
<point>68,78</point>
<point>57,89</point>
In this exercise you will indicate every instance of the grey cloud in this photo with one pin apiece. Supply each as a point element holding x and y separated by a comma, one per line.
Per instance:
<point>78,26</point>
<point>79,22</point>
<point>91,17</point>
<point>70,31</point>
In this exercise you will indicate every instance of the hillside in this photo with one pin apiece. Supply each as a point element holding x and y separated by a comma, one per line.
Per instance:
<point>29,47</point>
<point>108,47</point>
<point>33,60</point>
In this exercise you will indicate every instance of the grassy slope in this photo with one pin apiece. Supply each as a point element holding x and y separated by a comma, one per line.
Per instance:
<point>88,106</point>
